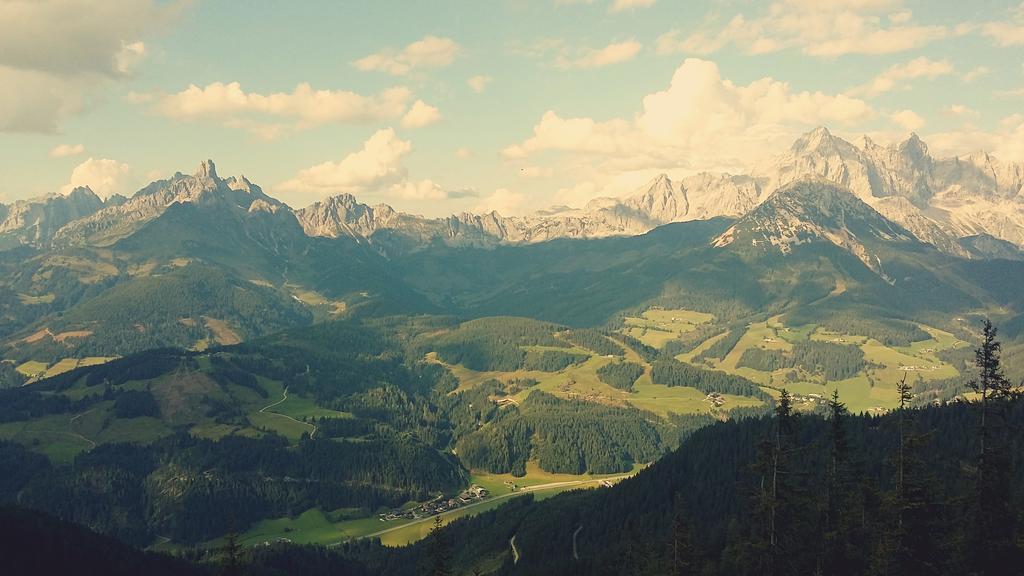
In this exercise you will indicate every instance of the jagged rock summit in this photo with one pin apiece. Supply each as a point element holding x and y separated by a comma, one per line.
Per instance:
<point>970,206</point>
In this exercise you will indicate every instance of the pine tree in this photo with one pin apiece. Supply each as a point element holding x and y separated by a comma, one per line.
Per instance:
<point>438,551</point>
<point>844,516</point>
<point>231,554</point>
<point>993,542</point>
<point>913,539</point>
<point>681,560</point>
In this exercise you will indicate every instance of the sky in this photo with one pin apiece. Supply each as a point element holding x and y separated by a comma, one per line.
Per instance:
<point>475,105</point>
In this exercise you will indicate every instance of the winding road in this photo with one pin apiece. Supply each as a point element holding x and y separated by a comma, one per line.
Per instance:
<point>523,490</point>
<point>283,398</point>
<point>71,422</point>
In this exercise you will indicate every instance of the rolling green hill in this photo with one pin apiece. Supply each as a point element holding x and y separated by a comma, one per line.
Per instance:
<point>361,415</point>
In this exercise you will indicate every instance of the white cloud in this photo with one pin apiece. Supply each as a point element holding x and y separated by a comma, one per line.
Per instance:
<point>699,122</point>
<point>32,101</point>
<point>975,73</point>
<point>901,17</point>
<point>65,150</point>
<point>822,29</point>
<point>422,190</point>
<point>504,202</point>
<point>1014,93</point>
<point>427,190</point>
<point>536,172</point>
<point>304,106</point>
<point>463,153</point>
<point>961,111</point>
<point>74,37</point>
<point>700,118</point>
<point>430,52</point>
<point>1008,32</point>
<point>614,53</point>
<point>577,195</point>
<point>376,169</point>
<point>908,119</point>
<point>479,83</point>
<point>56,54</point>
<point>420,114</point>
<point>131,55</point>
<point>894,76</point>
<point>104,176</point>
<point>1005,142</point>
<point>622,5</point>
<point>378,164</point>
<point>616,5</point>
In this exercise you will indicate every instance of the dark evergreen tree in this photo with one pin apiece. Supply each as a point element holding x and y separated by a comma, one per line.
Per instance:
<point>844,515</point>
<point>231,554</point>
<point>681,558</point>
<point>438,551</point>
<point>993,544</point>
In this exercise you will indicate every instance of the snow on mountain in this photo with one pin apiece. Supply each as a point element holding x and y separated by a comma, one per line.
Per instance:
<point>940,201</point>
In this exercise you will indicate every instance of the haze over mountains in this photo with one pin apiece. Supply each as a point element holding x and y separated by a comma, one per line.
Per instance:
<point>202,352</point>
<point>941,201</point>
<point>969,206</point>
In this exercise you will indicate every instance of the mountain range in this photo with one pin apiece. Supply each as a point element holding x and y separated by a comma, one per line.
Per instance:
<point>198,259</point>
<point>969,206</point>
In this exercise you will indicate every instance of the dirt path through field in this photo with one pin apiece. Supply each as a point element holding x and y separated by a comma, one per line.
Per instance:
<point>283,398</point>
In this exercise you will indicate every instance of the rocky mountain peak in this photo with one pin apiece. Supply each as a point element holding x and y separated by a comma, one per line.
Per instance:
<point>819,140</point>
<point>207,169</point>
<point>814,210</point>
<point>914,149</point>
<point>81,191</point>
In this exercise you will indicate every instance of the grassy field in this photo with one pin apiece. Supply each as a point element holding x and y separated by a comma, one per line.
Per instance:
<point>871,391</point>
<point>663,400</point>
<point>657,326</point>
<point>62,366</point>
<point>29,299</point>
<point>582,383</point>
<point>32,368</point>
<point>50,435</point>
<point>318,527</point>
<point>322,306</point>
<point>179,395</point>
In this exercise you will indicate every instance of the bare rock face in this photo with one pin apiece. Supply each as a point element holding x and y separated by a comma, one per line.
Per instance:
<point>940,201</point>
<point>35,221</point>
<point>343,215</point>
<point>118,220</point>
<point>815,210</point>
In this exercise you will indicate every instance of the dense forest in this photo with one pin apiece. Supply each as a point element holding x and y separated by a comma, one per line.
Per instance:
<point>172,309</point>
<point>934,490</point>
<point>620,375</point>
<point>921,490</point>
<point>190,489</point>
<point>671,372</point>
<point>493,343</point>
<point>830,360</point>
<point>567,436</point>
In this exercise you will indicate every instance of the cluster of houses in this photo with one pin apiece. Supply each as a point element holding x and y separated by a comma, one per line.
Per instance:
<point>436,506</point>
<point>715,398</point>
<point>811,398</point>
<point>914,368</point>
